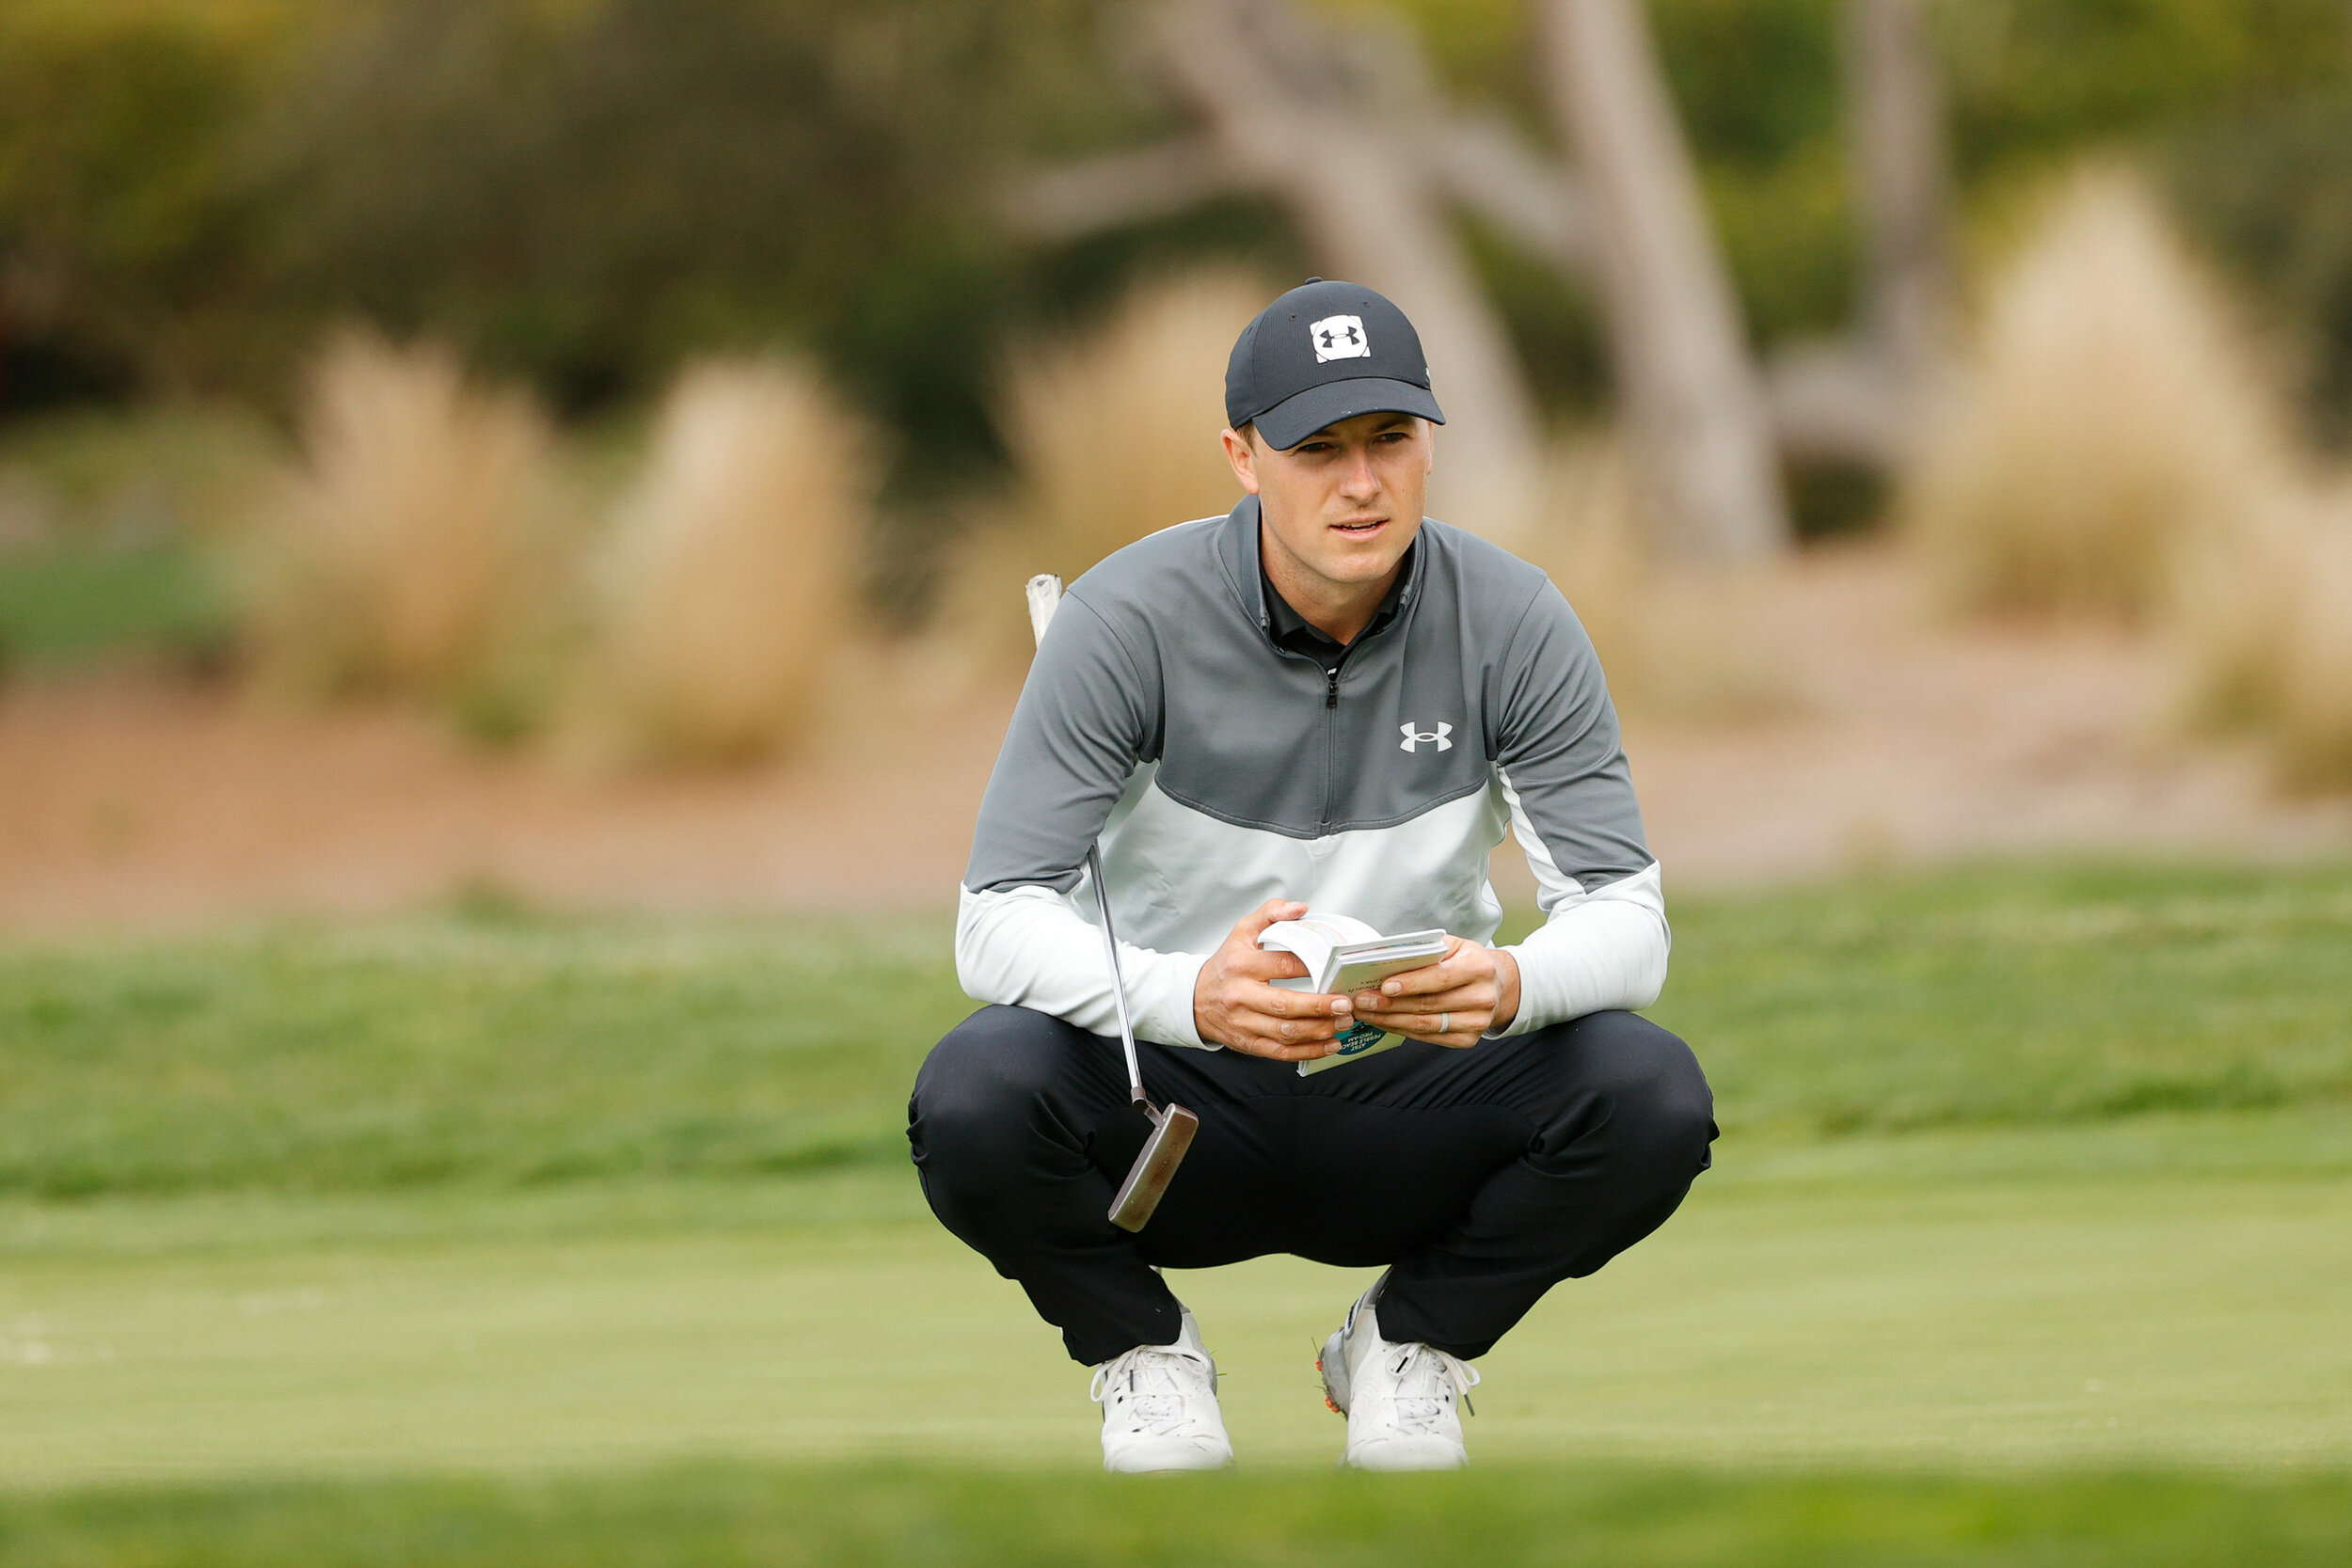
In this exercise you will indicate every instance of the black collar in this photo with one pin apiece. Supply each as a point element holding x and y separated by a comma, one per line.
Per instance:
<point>1290,630</point>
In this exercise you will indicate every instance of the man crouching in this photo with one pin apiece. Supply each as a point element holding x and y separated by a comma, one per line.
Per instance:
<point>1324,699</point>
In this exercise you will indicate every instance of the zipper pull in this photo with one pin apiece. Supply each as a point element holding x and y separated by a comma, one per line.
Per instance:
<point>1330,688</point>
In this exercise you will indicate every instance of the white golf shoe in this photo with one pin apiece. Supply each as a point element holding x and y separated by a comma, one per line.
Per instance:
<point>1403,1401</point>
<point>1159,1408</point>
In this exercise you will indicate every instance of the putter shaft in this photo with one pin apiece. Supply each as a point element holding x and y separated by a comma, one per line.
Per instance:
<point>1119,982</point>
<point>1172,1129</point>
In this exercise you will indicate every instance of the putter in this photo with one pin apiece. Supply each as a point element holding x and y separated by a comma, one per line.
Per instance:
<point>1173,1127</point>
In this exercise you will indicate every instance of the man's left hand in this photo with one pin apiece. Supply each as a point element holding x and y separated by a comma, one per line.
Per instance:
<point>1473,988</point>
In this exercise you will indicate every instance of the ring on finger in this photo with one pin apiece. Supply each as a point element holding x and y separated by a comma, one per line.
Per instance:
<point>1445,1021</point>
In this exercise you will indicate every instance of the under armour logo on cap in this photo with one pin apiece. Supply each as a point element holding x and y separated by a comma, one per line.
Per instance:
<point>1339,338</point>
<point>1421,737</point>
<point>1323,353</point>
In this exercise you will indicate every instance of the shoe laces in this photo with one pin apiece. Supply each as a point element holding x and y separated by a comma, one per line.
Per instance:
<point>1426,1378</point>
<point>1147,1387</point>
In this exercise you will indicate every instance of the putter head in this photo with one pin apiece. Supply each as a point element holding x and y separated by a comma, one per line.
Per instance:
<point>1147,1183</point>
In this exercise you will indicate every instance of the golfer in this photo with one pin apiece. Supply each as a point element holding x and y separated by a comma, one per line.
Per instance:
<point>1322,700</point>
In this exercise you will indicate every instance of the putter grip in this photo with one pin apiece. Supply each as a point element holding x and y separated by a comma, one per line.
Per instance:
<point>1044,591</point>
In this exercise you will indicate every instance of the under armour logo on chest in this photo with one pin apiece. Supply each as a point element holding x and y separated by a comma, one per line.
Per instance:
<point>1414,737</point>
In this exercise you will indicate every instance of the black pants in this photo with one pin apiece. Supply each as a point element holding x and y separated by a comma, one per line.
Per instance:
<point>1481,1177</point>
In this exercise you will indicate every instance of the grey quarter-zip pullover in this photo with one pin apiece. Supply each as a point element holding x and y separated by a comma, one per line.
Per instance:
<point>1220,769</point>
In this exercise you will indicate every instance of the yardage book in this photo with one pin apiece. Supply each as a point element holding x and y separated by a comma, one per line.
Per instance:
<point>1344,955</point>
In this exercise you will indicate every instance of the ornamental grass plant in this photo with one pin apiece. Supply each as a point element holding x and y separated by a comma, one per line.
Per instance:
<point>1673,646</point>
<point>401,549</point>
<point>1112,430</point>
<point>2265,640</point>
<point>2111,413</point>
<point>2113,450</point>
<point>2311,736</point>
<point>722,598</point>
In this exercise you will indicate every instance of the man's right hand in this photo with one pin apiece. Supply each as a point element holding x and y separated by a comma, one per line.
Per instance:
<point>1233,1004</point>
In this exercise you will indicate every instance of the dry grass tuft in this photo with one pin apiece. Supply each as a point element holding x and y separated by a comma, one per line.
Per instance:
<point>2313,736</point>
<point>1591,544</point>
<point>1672,647</point>
<point>1112,432</point>
<point>2267,644</point>
<point>731,578</point>
<point>2113,413</point>
<point>401,550</point>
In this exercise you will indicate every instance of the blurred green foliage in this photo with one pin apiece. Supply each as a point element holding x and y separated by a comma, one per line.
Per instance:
<point>2030,84</point>
<point>63,607</point>
<point>2270,189</point>
<point>1621,1515</point>
<point>587,194</point>
<point>583,191</point>
<point>96,477</point>
<point>2032,80</point>
<point>110,530</point>
<point>126,222</point>
<point>495,1046</point>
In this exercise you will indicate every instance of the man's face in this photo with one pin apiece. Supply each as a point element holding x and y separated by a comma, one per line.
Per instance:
<point>1346,503</point>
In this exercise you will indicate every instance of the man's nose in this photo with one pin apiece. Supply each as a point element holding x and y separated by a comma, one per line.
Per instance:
<point>1359,482</point>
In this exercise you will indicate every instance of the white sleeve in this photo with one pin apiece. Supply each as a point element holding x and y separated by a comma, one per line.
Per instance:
<point>1596,950</point>
<point>1029,946</point>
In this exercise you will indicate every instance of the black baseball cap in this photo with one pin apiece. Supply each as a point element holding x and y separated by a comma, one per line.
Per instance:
<point>1322,353</point>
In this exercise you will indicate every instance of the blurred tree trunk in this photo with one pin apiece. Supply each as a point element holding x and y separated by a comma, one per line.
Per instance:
<point>1895,119</point>
<point>1858,398</point>
<point>1693,402</point>
<point>1342,126</point>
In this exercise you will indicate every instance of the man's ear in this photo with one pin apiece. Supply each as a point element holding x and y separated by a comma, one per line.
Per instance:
<point>1241,453</point>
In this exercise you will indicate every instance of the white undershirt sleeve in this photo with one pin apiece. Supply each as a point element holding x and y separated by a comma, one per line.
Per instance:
<point>1029,946</point>
<point>1596,950</point>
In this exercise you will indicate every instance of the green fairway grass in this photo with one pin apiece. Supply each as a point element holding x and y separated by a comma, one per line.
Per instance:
<point>519,1050</point>
<point>2162,1290</point>
<point>1611,1516</point>
<point>485,1237</point>
<point>2004,995</point>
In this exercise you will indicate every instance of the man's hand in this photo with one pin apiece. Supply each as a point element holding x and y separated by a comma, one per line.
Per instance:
<point>1235,1006</point>
<point>1451,1002</point>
